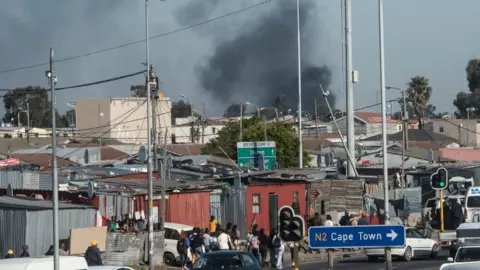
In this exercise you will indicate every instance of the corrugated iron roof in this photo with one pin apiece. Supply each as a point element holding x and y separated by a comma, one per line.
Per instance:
<point>7,202</point>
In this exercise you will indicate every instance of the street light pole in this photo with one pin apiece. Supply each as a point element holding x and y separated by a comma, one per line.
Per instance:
<point>299,67</point>
<point>349,86</point>
<point>241,121</point>
<point>149,147</point>
<point>388,252</point>
<point>56,239</point>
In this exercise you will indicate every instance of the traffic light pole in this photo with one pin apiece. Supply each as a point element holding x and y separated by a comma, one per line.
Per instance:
<point>441,211</point>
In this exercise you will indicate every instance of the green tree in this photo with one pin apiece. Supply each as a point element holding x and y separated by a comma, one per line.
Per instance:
<point>473,74</point>
<point>253,130</point>
<point>418,94</point>
<point>464,99</point>
<point>17,99</point>
<point>138,90</point>
<point>68,118</point>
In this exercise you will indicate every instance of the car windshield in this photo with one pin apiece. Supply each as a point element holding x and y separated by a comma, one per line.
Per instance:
<point>213,261</point>
<point>468,254</point>
<point>473,202</point>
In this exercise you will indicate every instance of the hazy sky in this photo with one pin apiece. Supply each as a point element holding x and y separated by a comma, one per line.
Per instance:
<point>432,38</point>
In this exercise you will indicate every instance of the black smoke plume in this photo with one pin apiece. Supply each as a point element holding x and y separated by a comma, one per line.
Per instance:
<point>259,63</point>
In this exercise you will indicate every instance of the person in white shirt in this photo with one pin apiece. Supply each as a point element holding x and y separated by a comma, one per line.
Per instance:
<point>224,241</point>
<point>328,222</point>
<point>279,246</point>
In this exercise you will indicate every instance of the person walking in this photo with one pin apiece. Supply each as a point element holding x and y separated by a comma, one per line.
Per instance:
<point>25,252</point>
<point>92,255</point>
<point>182,249</point>
<point>255,246</point>
<point>328,222</point>
<point>10,254</point>
<point>344,221</point>
<point>197,243</point>
<point>235,237</point>
<point>212,224</point>
<point>263,246</point>
<point>207,240</point>
<point>279,247</point>
<point>363,221</point>
<point>224,241</point>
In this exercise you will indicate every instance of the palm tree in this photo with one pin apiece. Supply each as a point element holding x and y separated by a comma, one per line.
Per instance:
<point>418,94</point>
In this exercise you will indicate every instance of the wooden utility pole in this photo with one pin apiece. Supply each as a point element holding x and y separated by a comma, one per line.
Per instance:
<point>316,116</point>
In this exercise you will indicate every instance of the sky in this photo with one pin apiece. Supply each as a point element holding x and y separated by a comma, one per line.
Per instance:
<point>431,38</point>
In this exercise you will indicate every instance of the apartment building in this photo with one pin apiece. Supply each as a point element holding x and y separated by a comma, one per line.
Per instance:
<point>467,132</point>
<point>123,119</point>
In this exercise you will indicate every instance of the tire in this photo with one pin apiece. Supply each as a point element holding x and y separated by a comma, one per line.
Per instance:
<point>407,256</point>
<point>435,250</point>
<point>169,259</point>
<point>372,258</point>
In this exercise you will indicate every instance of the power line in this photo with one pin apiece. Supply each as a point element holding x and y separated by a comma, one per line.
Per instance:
<point>75,86</point>
<point>138,41</point>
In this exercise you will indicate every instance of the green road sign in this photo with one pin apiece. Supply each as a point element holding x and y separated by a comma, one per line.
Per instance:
<point>256,155</point>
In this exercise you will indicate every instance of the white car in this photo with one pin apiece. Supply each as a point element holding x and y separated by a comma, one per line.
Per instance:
<point>417,245</point>
<point>172,233</point>
<point>109,267</point>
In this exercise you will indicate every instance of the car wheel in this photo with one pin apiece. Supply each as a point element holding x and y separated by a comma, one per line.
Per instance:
<point>407,256</point>
<point>434,251</point>
<point>169,259</point>
<point>372,258</point>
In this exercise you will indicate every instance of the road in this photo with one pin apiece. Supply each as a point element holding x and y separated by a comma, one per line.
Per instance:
<point>363,264</point>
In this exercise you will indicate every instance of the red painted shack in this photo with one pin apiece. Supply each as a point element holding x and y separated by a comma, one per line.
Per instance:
<point>265,198</point>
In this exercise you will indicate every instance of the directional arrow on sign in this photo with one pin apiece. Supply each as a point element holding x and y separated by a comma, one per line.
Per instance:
<point>392,235</point>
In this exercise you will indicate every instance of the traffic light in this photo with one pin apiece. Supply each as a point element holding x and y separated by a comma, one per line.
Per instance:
<point>439,180</point>
<point>291,226</point>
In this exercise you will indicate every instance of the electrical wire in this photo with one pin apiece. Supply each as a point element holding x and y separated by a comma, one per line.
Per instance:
<point>138,41</point>
<point>74,86</point>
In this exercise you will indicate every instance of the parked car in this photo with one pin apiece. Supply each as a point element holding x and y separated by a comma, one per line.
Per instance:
<point>227,260</point>
<point>172,233</point>
<point>109,267</point>
<point>30,263</point>
<point>417,245</point>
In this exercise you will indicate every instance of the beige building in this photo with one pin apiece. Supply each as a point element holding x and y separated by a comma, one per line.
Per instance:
<point>123,119</point>
<point>368,124</point>
<point>466,132</point>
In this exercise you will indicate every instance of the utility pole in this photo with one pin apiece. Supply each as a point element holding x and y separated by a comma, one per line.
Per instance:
<point>52,79</point>
<point>316,116</point>
<point>149,148</point>
<point>99,130</point>
<point>203,122</point>
<point>349,86</point>
<point>299,59</point>
<point>165,167</point>
<point>241,122</point>
<point>153,89</point>
<point>388,251</point>
<point>469,109</point>
<point>404,133</point>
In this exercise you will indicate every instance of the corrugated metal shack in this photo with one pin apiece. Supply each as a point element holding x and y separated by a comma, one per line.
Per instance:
<point>27,221</point>
<point>30,180</point>
<point>335,195</point>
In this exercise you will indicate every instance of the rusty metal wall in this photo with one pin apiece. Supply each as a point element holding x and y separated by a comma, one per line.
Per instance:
<point>234,208</point>
<point>189,208</point>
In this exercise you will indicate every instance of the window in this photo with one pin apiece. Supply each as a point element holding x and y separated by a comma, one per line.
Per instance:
<point>295,197</point>
<point>214,130</point>
<point>440,129</point>
<point>249,260</point>
<point>236,262</point>
<point>473,201</point>
<point>171,234</point>
<point>256,203</point>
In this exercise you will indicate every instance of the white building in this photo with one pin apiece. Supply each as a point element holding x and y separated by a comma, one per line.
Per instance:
<point>184,128</point>
<point>123,119</point>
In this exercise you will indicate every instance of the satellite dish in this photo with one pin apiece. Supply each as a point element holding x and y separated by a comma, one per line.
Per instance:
<point>86,156</point>
<point>90,189</point>
<point>9,190</point>
<point>142,154</point>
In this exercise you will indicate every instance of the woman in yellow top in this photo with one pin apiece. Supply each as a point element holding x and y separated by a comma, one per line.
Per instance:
<point>212,225</point>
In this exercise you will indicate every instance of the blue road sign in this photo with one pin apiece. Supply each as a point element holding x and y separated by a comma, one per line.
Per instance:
<point>357,236</point>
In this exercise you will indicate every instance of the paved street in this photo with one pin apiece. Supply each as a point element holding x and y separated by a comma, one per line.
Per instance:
<point>363,264</point>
